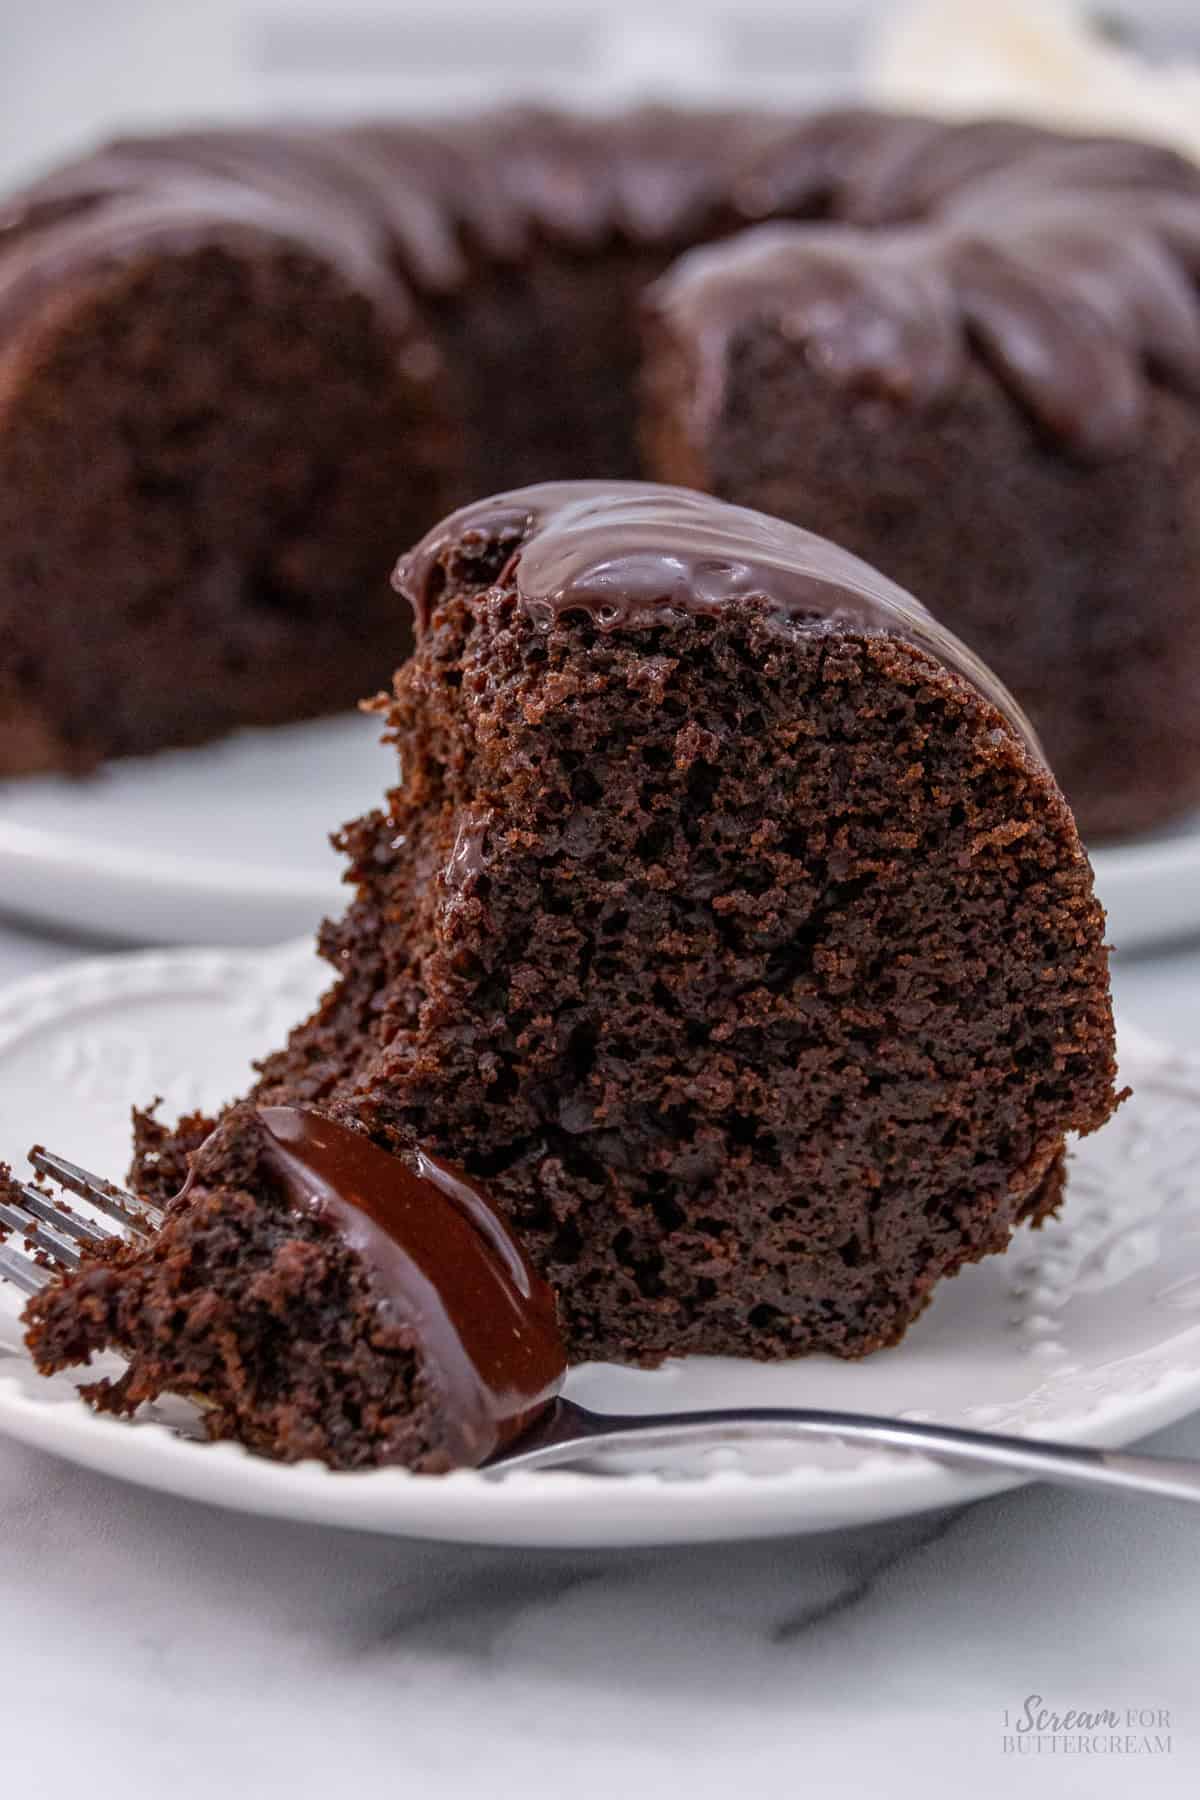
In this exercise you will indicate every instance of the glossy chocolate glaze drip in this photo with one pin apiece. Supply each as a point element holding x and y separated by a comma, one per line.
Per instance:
<point>876,313</point>
<point>1069,264</point>
<point>396,207</point>
<point>1070,267</point>
<point>442,1261</point>
<point>634,554</point>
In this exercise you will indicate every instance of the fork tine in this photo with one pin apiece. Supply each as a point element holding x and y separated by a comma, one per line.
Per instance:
<point>21,1271</point>
<point>84,1231</point>
<point>137,1215</point>
<point>54,1243</point>
<point>42,1225</point>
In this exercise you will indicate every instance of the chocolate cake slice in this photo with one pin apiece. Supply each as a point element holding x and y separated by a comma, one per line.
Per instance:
<point>727,929</point>
<point>320,1298</point>
<point>727,922</point>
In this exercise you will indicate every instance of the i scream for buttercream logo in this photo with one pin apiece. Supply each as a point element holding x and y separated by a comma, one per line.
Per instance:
<point>1038,1728</point>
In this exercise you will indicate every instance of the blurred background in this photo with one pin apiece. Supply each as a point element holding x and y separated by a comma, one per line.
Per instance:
<point>72,69</point>
<point>73,72</point>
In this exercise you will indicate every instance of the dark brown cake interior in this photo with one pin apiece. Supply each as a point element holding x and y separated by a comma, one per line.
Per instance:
<point>198,497</point>
<point>259,1310</point>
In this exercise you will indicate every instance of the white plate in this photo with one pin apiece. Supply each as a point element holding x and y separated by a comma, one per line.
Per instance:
<point>230,844</point>
<point>1151,886</point>
<point>1087,1330</point>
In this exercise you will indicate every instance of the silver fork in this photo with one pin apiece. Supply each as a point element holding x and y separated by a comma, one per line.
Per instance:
<point>52,1236</point>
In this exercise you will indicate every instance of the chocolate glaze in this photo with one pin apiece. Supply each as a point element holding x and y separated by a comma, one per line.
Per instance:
<point>401,210</point>
<point>1070,264</point>
<point>96,239</point>
<point>442,1261</point>
<point>633,555</point>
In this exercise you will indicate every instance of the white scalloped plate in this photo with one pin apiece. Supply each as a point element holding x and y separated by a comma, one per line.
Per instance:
<point>229,844</point>
<point>1087,1330</point>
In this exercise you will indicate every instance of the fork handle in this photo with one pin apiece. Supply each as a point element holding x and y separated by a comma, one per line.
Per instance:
<point>569,1433</point>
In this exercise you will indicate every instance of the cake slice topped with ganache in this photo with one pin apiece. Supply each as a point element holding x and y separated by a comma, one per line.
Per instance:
<point>320,1298</point>
<point>727,930</point>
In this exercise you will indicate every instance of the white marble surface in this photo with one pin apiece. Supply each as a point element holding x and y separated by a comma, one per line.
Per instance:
<point>152,1647</point>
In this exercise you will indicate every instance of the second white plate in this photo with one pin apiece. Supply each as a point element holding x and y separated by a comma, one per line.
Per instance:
<point>230,844</point>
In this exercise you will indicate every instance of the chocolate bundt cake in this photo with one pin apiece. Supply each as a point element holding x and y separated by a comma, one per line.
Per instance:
<point>237,364</point>
<point>727,927</point>
<point>255,361</point>
<point>984,380</point>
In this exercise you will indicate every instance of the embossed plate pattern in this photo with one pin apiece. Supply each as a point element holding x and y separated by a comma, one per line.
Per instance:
<point>1088,1329</point>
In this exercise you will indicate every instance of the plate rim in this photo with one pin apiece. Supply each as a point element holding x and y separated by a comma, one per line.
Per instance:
<point>1122,861</point>
<point>35,845</point>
